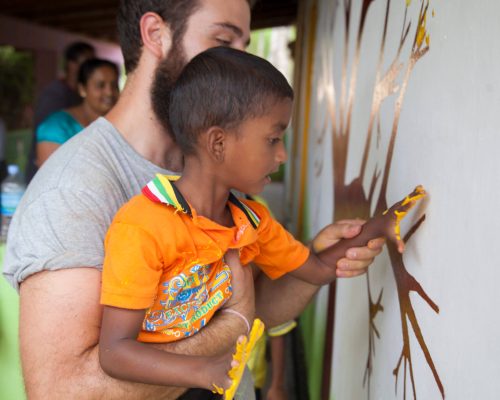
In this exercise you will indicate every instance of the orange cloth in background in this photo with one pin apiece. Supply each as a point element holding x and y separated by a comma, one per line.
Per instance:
<point>160,258</point>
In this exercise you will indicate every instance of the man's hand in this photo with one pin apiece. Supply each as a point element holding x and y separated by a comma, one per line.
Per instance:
<point>242,282</point>
<point>357,259</point>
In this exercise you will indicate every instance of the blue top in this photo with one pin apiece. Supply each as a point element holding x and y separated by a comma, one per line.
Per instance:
<point>58,128</point>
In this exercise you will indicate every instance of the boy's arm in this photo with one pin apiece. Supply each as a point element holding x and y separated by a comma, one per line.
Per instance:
<point>289,295</point>
<point>60,316</point>
<point>320,268</point>
<point>123,357</point>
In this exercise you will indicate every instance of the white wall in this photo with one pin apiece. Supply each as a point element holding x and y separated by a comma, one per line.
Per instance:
<point>447,139</point>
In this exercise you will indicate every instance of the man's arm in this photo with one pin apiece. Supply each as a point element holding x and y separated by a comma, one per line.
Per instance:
<point>60,317</point>
<point>285,298</point>
<point>122,356</point>
<point>44,151</point>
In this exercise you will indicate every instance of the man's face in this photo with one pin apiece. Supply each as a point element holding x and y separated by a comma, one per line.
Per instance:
<point>217,23</point>
<point>214,23</point>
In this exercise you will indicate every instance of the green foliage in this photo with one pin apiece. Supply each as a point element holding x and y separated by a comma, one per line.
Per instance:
<point>16,85</point>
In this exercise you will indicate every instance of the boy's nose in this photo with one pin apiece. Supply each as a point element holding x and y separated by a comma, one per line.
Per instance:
<point>281,155</point>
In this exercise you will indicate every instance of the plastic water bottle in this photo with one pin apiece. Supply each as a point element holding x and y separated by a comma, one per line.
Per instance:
<point>13,188</point>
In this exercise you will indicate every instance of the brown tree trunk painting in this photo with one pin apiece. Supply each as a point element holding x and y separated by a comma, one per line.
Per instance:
<point>350,199</point>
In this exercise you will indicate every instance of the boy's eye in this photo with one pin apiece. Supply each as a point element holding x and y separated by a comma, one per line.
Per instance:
<point>274,140</point>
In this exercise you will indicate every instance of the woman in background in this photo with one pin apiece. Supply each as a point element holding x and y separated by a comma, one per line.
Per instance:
<point>98,87</point>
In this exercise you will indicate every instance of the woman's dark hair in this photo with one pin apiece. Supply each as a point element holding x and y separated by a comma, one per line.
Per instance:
<point>88,67</point>
<point>219,87</point>
<point>175,13</point>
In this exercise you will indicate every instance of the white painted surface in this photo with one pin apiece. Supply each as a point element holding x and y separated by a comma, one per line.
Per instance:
<point>448,140</point>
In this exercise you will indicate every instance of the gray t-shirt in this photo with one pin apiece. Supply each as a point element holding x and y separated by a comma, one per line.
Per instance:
<point>64,215</point>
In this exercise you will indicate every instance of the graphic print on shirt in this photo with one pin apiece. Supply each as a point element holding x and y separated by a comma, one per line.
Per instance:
<point>189,300</point>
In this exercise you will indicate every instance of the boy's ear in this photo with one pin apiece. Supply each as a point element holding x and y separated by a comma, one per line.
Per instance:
<point>155,34</point>
<point>216,143</point>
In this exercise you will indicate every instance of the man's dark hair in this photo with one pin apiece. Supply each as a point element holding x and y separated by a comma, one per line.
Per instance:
<point>220,87</point>
<point>175,13</point>
<point>88,67</point>
<point>77,49</point>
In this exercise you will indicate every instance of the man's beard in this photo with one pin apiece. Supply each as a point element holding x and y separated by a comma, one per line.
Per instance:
<point>164,79</point>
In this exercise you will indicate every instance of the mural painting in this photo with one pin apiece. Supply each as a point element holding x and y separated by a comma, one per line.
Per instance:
<point>364,193</point>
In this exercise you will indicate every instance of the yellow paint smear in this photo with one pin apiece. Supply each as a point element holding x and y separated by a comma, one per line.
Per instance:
<point>243,350</point>
<point>416,195</point>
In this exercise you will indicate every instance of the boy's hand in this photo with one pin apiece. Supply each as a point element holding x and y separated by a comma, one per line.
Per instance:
<point>357,259</point>
<point>385,224</point>
<point>217,371</point>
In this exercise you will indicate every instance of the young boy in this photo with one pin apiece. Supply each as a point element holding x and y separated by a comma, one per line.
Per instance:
<point>164,274</point>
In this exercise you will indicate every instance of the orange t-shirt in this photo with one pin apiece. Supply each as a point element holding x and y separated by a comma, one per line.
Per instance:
<point>161,256</point>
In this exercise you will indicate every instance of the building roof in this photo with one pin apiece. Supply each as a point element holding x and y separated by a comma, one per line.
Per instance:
<point>96,18</point>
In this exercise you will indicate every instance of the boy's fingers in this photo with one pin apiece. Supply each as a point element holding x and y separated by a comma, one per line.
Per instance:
<point>241,339</point>
<point>350,273</point>
<point>376,244</point>
<point>350,231</point>
<point>354,221</point>
<point>352,265</point>
<point>331,234</point>
<point>367,253</point>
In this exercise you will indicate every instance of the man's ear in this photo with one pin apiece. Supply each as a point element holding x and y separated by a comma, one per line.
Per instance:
<point>216,143</point>
<point>155,34</point>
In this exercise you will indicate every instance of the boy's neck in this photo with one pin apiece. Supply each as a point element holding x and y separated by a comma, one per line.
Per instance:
<point>203,191</point>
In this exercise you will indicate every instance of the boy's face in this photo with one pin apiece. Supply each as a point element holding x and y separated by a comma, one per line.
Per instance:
<point>256,149</point>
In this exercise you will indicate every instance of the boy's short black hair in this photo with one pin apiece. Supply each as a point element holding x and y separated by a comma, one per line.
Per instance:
<point>220,87</point>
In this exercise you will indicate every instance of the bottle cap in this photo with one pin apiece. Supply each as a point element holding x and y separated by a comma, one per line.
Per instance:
<point>12,169</point>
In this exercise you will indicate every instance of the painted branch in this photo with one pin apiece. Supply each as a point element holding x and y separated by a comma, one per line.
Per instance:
<point>383,225</point>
